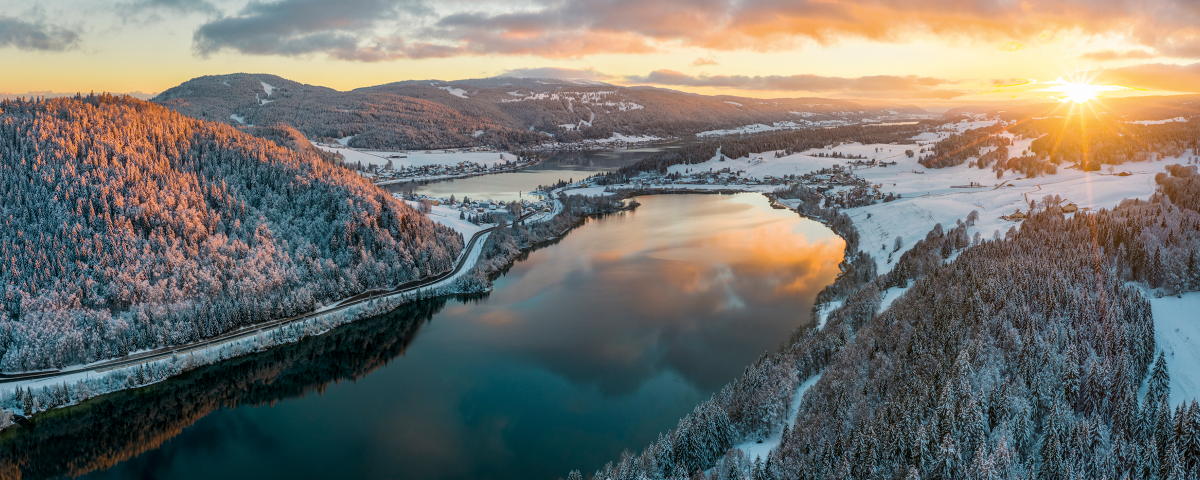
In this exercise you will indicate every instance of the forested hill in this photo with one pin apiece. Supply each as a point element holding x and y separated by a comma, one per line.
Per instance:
<point>1128,109</point>
<point>501,112</point>
<point>128,226</point>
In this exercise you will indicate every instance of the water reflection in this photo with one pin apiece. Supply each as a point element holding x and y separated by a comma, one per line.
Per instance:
<point>556,166</point>
<point>655,293</point>
<point>109,429</point>
<point>585,348</point>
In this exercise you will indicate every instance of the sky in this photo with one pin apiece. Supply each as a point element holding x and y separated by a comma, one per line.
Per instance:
<point>916,51</point>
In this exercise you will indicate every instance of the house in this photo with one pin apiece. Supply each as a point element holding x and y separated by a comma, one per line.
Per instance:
<point>1070,208</point>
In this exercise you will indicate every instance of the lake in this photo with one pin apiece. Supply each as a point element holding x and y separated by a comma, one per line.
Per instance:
<point>588,346</point>
<point>556,166</point>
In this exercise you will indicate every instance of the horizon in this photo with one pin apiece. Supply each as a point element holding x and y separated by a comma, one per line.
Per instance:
<point>931,107</point>
<point>989,53</point>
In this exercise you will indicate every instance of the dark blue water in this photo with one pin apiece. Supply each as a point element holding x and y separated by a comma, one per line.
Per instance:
<point>587,347</point>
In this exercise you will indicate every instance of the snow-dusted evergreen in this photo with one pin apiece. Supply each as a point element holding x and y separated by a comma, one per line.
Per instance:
<point>125,226</point>
<point>1027,356</point>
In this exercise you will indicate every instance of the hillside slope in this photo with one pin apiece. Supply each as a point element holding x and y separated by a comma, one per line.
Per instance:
<point>500,112</point>
<point>126,226</point>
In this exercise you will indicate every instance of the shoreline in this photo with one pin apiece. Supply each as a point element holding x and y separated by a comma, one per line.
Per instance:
<point>112,375</point>
<point>78,384</point>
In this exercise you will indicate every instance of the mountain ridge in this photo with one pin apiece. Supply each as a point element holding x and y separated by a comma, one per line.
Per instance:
<point>504,112</point>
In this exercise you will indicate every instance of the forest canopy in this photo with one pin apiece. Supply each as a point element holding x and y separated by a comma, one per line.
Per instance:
<point>127,226</point>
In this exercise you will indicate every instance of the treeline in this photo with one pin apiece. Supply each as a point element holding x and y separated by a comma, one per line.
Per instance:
<point>1182,185</point>
<point>289,137</point>
<point>791,142</point>
<point>1025,357</point>
<point>1093,141</point>
<point>957,148</point>
<point>125,226</point>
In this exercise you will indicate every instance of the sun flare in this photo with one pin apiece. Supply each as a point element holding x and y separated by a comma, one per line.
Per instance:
<point>1078,91</point>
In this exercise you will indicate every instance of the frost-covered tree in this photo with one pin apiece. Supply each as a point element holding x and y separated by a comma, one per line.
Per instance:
<point>126,226</point>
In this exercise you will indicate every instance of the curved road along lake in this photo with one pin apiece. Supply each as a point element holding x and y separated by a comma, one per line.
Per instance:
<point>586,347</point>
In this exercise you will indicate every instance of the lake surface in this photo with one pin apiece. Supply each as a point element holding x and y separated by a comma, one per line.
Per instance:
<point>586,347</point>
<point>557,166</point>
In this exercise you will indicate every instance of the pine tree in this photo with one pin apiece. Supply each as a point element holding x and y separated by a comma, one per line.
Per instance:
<point>1160,380</point>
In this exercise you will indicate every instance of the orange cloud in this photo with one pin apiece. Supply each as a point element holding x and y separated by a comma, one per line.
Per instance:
<point>574,28</point>
<point>1108,55</point>
<point>1154,76</point>
<point>877,86</point>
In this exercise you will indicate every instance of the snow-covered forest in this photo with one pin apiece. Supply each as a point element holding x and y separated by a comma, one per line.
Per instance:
<point>1028,355</point>
<point>503,112</point>
<point>1088,144</point>
<point>127,226</point>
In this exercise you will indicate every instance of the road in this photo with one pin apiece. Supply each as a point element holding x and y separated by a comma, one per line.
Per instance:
<point>246,331</point>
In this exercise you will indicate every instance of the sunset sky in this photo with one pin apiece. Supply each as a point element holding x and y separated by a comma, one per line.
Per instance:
<point>926,52</point>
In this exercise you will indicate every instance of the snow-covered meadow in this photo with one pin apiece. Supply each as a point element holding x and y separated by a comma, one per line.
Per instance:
<point>1177,334</point>
<point>417,158</point>
<point>932,196</point>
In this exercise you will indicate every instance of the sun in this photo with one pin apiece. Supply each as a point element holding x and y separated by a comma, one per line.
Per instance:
<point>1078,91</point>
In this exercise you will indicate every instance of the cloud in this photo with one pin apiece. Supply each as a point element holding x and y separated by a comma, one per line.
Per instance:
<point>1010,82</point>
<point>702,61</point>
<point>182,7</point>
<point>779,24</point>
<point>557,73</point>
<point>1108,55</point>
<point>304,27</point>
<point>371,30</point>
<point>25,35</point>
<point>532,34</point>
<point>1154,76</point>
<point>878,86</point>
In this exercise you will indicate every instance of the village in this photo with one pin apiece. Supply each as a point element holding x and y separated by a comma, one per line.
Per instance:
<point>389,167</point>
<point>388,173</point>
<point>453,211</point>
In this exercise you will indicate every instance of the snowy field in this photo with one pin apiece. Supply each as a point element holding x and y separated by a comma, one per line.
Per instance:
<point>417,158</point>
<point>1160,122</point>
<point>1177,334</point>
<point>617,137</point>
<point>776,126</point>
<point>617,140</point>
<point>930,197</point>
<point>449,217</point>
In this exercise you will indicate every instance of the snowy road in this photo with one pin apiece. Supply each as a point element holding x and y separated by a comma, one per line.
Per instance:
<point>466,259</point>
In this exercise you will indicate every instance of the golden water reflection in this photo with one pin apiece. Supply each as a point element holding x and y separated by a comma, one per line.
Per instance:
<point>683,283</point>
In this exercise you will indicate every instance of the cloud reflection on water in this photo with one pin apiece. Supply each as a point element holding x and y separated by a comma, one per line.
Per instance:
<point>692,284</point>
